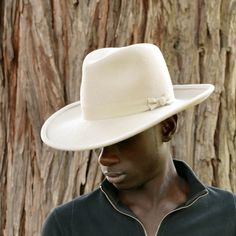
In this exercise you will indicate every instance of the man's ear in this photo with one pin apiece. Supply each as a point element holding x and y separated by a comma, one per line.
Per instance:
<point>169,127</point>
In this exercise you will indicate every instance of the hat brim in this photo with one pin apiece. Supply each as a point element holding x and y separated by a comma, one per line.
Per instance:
<point>67,130</point>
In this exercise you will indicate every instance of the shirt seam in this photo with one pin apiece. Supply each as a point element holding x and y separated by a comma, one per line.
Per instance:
<point>55,215</point>
<point>234,199</point>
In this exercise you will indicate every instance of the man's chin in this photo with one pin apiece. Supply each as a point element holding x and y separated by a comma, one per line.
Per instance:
<point>127,187</point>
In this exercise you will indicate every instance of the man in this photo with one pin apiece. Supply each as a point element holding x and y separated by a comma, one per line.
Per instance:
<point>127,114</point>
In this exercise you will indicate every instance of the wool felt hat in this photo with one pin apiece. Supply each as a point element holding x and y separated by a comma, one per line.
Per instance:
<point>123,92</point>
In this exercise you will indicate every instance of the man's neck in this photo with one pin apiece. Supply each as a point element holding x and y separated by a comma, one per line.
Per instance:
<point>167,186</point>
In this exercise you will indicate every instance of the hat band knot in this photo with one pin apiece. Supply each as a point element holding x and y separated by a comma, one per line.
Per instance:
<point>154,102</point>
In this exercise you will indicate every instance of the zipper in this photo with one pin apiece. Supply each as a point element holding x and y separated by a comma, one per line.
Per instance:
<point>144,230</point>
<point>180,208</point>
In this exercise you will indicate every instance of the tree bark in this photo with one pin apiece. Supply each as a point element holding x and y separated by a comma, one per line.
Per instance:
<point>43,43</point>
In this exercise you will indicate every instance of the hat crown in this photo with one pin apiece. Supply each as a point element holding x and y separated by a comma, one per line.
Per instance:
<point>123,81</point>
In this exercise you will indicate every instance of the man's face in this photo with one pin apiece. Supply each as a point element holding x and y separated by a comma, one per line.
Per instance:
<point>134,161</point>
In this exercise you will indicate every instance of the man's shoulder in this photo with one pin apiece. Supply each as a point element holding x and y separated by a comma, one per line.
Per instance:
<point>85,201</point>
<point>60,219</point>
<point>218,194</point>
<point>65,211</point>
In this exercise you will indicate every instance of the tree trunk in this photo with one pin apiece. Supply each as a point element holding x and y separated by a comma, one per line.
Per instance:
<point>43,43</point>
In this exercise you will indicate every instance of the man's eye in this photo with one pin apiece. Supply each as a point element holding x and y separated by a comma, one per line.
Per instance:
<point>127,141</point>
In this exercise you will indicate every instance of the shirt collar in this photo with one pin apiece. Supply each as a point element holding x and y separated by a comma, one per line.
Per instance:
<point>196,187</point>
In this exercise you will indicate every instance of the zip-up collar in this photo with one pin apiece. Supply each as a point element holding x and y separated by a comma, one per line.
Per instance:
<point>197,189</point>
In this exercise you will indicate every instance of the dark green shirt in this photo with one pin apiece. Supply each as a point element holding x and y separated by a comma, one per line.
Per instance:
<point>207,212</point>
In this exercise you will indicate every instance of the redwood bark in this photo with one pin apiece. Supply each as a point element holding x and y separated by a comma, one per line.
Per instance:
<point>43,44</point>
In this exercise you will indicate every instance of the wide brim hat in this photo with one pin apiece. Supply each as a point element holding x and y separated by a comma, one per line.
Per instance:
<point>124,91</point>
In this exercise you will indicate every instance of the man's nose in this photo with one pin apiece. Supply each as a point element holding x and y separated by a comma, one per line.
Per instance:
<point>109,156</point>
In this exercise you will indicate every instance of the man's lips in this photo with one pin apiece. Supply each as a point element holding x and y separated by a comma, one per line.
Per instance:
<point>114,177</point>
<point>112,173</point>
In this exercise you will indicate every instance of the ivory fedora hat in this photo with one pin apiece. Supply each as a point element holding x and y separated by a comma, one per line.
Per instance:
<point>123,92</point>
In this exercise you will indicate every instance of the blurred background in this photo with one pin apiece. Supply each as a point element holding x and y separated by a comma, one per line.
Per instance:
<point>42,47</point>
